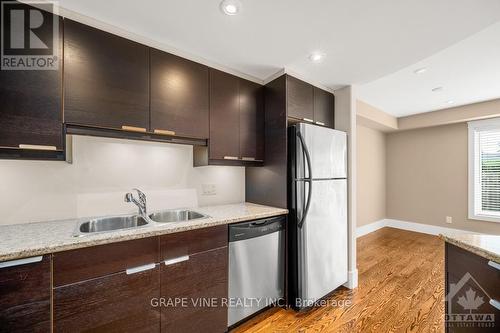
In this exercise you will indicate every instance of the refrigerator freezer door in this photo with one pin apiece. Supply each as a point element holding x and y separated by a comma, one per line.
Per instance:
<point>322,242</point>
<point>327,149</point>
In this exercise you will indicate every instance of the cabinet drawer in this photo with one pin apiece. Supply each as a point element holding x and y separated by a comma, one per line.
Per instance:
<point>203,276</point>
<point>83,264</point>
<point>192,241</point>
<point>25,297</point>
<point>460,261</point>
<point>114,303</point>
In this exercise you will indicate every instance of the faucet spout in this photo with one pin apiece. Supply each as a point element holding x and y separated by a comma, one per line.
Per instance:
<point>140,203</point>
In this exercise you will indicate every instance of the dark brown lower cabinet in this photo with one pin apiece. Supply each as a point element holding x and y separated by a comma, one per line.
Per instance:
<point>472,292</point>
<point>200,282</point>
<point>25,296</point>
<point>96,290</point>
<point>119,302</point>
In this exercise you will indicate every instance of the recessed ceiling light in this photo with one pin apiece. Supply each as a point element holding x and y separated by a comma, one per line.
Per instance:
<point>450,101</point>
<point>230,7</point>
<point>317,56</point>
<point>437,89</point>
<point>420,70</point>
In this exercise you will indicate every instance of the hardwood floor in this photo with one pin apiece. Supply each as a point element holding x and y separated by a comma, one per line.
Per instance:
<point>401,289</point>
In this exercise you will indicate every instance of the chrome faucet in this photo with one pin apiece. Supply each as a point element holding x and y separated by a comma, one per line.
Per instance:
<point>141,203</point>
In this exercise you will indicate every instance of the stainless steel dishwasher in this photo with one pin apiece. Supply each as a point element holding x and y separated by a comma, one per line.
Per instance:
<point>256,266</point>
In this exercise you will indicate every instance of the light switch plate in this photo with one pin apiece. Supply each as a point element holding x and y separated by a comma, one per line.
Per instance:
<point>449,219</point>
<point>208,189</point>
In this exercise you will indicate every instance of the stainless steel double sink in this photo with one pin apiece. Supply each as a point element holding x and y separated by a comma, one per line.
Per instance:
<point>115,223</point>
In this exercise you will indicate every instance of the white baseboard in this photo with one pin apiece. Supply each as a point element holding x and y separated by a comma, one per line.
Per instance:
<point>410,226</point>
<point>352,281</point>
<point>368,228</point>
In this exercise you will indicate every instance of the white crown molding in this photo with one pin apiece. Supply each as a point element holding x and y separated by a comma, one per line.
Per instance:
<point>299,76</point>
<point>87,20</point>
<point>90,21</point>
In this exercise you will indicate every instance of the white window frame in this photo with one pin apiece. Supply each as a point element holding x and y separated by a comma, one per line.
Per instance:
<point>475,127</point>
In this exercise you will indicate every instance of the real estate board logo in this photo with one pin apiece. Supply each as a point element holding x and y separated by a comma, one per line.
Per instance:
<point>30,35</point>
<point>467,305</point>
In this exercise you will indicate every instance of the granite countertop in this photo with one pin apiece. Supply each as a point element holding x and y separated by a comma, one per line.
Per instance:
<point>33,239</point>
<point>487,246</point>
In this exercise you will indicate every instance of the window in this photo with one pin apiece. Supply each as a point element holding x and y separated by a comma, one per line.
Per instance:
<point>484,170</point>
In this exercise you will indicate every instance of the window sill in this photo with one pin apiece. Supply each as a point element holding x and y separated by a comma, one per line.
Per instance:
<point>485,217</point>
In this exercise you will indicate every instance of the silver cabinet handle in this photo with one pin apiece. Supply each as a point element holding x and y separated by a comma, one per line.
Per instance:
<point>230,157</point>
<point>494,264</point>
<point>248,158</point>
<point>176,260</point>
<point>307,119</point>
<point>138,269</point>
<point>320,123</point>
<point>494,303</point>
<point>20,262</point>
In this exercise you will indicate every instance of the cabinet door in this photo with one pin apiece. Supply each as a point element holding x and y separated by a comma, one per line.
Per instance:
<point>324,105</point>
<point>251,120</point>
<point>299,99</point>
<point>106,79</point>
<point>179,96</point>
<point>114,303</point>
<point>30,106</point>
<point>200,280</point>
<point>25,296</point>
<point>224,116</point>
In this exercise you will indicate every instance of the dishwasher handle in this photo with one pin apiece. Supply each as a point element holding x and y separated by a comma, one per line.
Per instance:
<point>252,229</point>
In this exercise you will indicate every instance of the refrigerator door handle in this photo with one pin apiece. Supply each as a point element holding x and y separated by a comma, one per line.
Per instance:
<point>308,180</point>
<point>306,209</point>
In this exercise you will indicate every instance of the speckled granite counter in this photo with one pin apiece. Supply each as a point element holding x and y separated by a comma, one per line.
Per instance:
<point>487,246</point>
<point>32,239</point>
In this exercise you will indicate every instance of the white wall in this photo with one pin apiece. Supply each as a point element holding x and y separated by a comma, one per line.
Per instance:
<point>103,170</point>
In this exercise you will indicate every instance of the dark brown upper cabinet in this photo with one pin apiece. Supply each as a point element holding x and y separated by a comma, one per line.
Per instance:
<point>224,143</point>
<point>251,120</point>
<point>106,79</point>
<point>299,99</point>
<point>179,96</point>
<point>236,122</point>
<point>30,105</point>
<point>25,295</point>
<point>324,105</point>
<point>308,103</point>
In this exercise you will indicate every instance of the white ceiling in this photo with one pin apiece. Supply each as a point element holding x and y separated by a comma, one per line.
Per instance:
<point>468,72</point>
<point>364,39</point>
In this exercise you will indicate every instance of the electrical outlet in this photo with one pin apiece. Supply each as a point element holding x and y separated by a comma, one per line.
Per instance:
<point>449,219</point>
<point>208,189</point>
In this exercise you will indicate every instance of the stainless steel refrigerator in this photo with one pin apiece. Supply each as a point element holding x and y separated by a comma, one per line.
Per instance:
<point>318,213</point>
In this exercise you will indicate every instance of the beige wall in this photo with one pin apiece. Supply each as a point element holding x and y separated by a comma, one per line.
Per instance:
<point>427,178</point>
<point>459,114</point>
<point>371,170</point>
